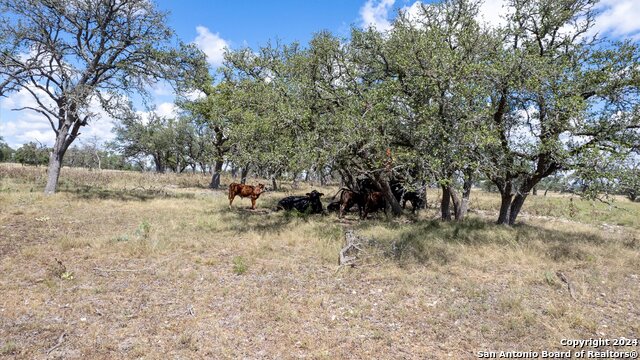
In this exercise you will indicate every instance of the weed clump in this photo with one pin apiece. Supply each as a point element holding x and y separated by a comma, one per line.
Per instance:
<point>565,251</point>
<point>239,265</point>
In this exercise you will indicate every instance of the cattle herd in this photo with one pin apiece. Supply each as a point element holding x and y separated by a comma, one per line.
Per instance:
<point>367,199</point>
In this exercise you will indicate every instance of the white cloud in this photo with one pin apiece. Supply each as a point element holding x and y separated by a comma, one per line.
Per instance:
<point>19,127</point>
<point>44,137</point>
<point>194,95</point>
<point>163,110</point>
<point>615,18</point>
<point>413,12</point>
<point>167,109</point>
<point>375,13</point>
<point>618,18</point>
<point>212,45</point>
<point>492,12</point>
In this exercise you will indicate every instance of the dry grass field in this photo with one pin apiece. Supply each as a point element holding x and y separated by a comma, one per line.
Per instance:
<point>124,265</point>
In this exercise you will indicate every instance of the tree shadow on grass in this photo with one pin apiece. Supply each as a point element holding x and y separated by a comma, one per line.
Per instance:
<point>242,219</point>
<point>432,240</point>
<point>85,192</point>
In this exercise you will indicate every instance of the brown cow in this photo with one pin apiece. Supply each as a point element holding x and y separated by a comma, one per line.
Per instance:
<point>350,198</point>
<point>374,201</point>
<point>244,191</point>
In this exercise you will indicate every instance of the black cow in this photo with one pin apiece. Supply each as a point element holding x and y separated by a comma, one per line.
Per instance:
<point>307,204</point>
<point>417,202</point>
<point>403,195</point>
<point>334,206</point>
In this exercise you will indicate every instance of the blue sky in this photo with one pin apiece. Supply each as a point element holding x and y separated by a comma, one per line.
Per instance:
<point>255,22</point>
<point>214,25</point>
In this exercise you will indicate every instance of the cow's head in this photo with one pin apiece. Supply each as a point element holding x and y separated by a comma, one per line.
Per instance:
<point>259,189</point>
<point>314,194</point>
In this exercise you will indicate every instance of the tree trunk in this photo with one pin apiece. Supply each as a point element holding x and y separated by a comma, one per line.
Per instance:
<point>55,163</point>
<point>234,171</point>
<point>98,160</point>
<point>505,206</point>
<point>466,195</point>
<point>215,178</point>
<point>461,206</point>
<point>160,168</point>
<point>516,206</point>
<point>445,204</point>
<point>457,206</point>
<point>243,174</point>
<point>391,200</point>
<point>274,183</point>
<point>63,140</point>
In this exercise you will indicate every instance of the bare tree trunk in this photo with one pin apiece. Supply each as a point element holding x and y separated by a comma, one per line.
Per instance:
<point>455,199</point>
<point>53,173</point>
<point>98,159</point>
<point>157,159</point>
<point>391,200</point>
<point>234,171</point>
<point>215,178</point>
<point>294,182</point>
<point>516,206</point>
<point>55,161</point>
<point>505,188</point>
<point>274,183</point>
<point>461,206</point>
<point>243,174</point>
<point>505,206</point>
<point>445,209</point>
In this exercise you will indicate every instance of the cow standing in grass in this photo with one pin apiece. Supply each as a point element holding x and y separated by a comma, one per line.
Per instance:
<point>244,191</point>
<point>349,198</point>
<point>373,202</point>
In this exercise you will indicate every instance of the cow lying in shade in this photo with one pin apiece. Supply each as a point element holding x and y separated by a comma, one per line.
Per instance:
<point>244,191</point>
<point>310,203</point>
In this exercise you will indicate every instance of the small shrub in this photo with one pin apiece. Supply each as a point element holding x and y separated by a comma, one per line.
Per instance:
<point>549,278</point>
<point>239,265</point>
<point>121,238</point>
<point>9,348</point>
<point>564,251</point>
<point>67,243</point>
<point>144,230</point>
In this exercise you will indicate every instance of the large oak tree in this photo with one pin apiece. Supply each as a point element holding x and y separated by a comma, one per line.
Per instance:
<point>72,55</point>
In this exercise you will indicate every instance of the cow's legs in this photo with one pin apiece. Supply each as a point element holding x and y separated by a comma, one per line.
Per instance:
<point>342,208</point>
<point>253,203</point>
<point>364,214</point>
<point>231,200</point>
